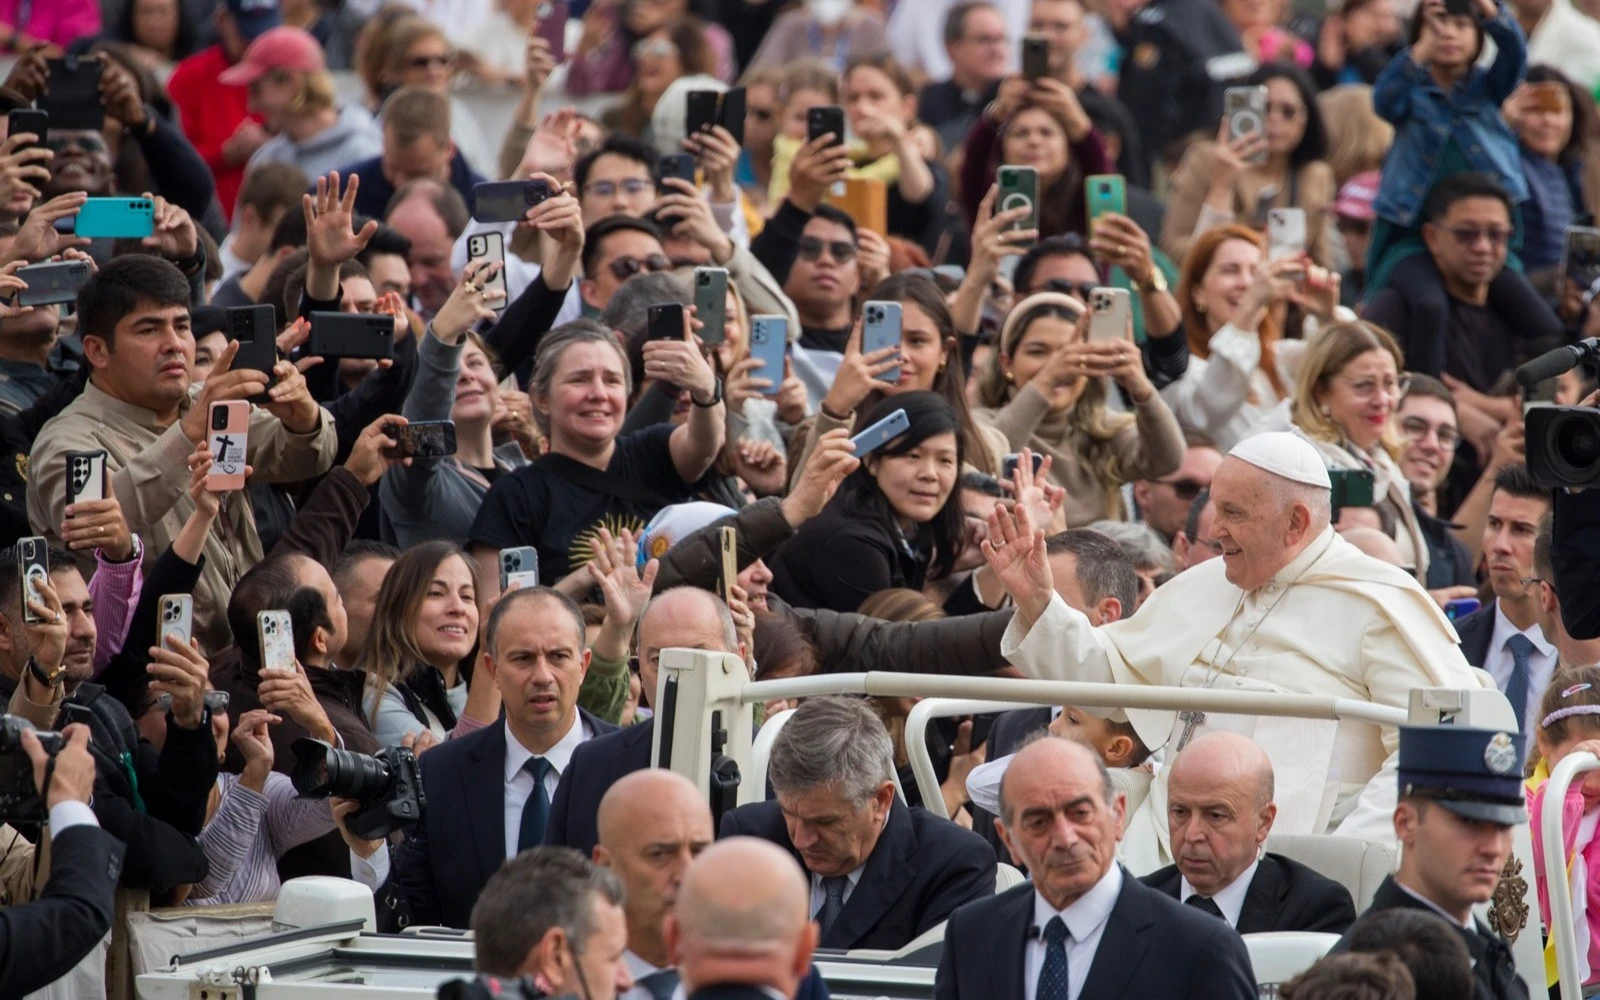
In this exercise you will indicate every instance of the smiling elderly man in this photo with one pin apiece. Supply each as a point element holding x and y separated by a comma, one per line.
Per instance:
<point>1289,607</point>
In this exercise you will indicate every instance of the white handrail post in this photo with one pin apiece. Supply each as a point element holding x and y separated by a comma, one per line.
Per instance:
<point>1555,863</point>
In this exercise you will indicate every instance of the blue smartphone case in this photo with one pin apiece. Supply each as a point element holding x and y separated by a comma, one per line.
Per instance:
<point>115,218</point>
<point>880,433</point>
<point>769,343</point>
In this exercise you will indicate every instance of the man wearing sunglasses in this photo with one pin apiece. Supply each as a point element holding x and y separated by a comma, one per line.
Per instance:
<point>1163,503</point>
<point>822,283</point>
<point>614,250</point>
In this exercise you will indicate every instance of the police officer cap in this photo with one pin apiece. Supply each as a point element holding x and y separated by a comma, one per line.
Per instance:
<point>1476,773</point>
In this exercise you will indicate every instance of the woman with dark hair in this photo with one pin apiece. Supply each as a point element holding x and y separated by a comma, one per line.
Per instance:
<point>895,522</point>
<point>1552,118</point>
<point>1045,390</point>
<point>603,61</point>
<point>1217,184</point>
<point>159,32</point>
<point>676,49</point>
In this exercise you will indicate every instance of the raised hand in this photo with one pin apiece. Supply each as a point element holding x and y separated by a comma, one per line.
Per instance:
<point>175,237</point>
<point>470,302</point>
<point>375,451</point>
<point>1015,553</point>
<point>330,216</point>
<point>832,459</point>
<point>858,375</point>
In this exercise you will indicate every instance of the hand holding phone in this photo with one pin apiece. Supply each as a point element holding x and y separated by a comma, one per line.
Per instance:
<point>880,433</point>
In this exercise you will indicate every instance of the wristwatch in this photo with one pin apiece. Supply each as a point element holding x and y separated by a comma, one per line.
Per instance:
<point>1157,282</point>
<point>716,396</point>
<point>50,679</point>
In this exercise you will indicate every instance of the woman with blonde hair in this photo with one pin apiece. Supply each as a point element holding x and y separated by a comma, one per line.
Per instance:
<point>1344,402</point>
<point>1045,390</point>
<point>1358,139</point>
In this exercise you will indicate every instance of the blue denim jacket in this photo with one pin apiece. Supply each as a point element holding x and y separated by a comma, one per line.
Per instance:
<point>1425,117</point>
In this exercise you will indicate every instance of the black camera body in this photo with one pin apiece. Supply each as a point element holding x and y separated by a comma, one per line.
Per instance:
<point>21,803</point>
<point>388,784</point>
<point>1562,444</point>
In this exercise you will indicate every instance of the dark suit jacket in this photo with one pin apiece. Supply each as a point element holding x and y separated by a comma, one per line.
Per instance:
<point>921,869</point>
<point>1010,729</point>
<point>41,941</point>
<point>1493,967</point>
<point>1284,895</point>
<point>1577,524</point>
<point>461,840</point>
<point>595,767</point>
<point>1475,630</point>
<point>1152,946</point>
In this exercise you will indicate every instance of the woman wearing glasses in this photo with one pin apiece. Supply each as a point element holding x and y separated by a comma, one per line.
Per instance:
<point>674,49</point>
<point>603,62</point>
<point>1221,182</point>
<point>1344,404</point>
<point>419,54</point>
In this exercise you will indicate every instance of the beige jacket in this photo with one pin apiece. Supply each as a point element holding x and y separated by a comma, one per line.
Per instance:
<point>1187,215</point>
<point>149,469</point>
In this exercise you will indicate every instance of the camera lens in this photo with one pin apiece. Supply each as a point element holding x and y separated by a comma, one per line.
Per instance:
<point>1577,445</point>
<point>321,770</point>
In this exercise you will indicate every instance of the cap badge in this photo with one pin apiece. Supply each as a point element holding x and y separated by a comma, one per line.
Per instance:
<point>1500,755</point>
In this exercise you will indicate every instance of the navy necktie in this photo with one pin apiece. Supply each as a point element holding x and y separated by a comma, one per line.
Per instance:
<point>1053,973</point>
<point>1520,647</point>
<point>660,984</point>
<point>536,811</point>
<point>832,901</point>
<point>1205,904</point>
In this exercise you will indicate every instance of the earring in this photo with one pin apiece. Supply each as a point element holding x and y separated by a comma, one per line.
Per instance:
<point>1010,377</point>
<point>1325,411</point>
<point>1200,307</point>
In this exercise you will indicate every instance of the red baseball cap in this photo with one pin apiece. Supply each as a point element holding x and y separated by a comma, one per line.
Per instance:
<point>1356,197</point>
<point>282,47</point>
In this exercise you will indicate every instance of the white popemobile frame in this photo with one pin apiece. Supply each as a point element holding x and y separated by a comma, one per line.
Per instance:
<point>1549,820</point>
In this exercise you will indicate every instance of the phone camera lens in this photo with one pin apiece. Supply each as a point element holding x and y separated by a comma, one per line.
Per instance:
<point>219,420</point>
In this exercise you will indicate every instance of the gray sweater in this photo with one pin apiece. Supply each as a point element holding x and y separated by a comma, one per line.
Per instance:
<point>352,138</point>
<point>436,497</point>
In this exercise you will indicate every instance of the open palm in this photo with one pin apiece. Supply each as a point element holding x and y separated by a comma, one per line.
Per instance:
<point>330,238</point>
<point>1016,554</point>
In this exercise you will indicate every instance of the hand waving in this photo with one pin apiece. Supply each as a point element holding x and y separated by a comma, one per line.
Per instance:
<point>330,236</point>
<point>1015,553</point>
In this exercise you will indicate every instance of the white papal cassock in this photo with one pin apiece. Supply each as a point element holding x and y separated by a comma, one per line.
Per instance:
<point>1333,622</point>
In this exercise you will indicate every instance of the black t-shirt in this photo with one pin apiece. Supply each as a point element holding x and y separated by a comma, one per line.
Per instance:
<point>1480,345</point>
<point>534,506</point>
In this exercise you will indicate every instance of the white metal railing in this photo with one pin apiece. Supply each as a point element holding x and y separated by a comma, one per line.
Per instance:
<point>1555,864</point>
<point>917,741</point>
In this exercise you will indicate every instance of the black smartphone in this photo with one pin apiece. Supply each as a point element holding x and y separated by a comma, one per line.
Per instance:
<point>1008,465</point>
<point>1036,57</point>
<point>949,727</point>
<point>1460,8</point>
<point>664,321</point>
<point>507,201</point>
<point>422,439</point>
<point>826,120</point>
<point>30,120</point>
<point>1351,488</point>
<point>72,99</point>
<point>53,282</point>
<point>731,112</point>
<point>254,327</point>
<point>351,335</point>
<point>700,111</point>
<point>679,165</point>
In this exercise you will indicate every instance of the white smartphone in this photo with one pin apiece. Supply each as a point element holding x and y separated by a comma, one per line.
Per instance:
<point>1286,233</point>
<point>1109,311</point>
<point>276,632</point>
<point>519,566</point>
<point>175,617</point>
<point>490,246</point>
<point>86,475</point>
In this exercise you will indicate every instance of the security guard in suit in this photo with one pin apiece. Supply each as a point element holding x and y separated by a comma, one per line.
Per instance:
<point>1460,796</point>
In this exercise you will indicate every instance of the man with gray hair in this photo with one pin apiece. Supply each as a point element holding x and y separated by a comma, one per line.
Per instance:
<point>555,916</point>
<point>880,873</point>
<point>1290,607</point>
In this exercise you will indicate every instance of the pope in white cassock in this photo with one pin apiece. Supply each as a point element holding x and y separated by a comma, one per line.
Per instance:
<point>1289,607</point>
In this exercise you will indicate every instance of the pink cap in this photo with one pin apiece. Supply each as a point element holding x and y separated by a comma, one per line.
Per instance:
<point>1356,197</point>
<point>278,48</point>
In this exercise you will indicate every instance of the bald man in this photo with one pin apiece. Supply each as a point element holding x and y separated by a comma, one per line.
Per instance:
<point>1219,812</point>
<point>742,929</point>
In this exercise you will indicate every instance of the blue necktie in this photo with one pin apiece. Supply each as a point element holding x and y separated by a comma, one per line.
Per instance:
<point>1520,647</point>
<point>536,812</point>
<point>661,984</point>
<point>832,901</point>
<point>1053,974</point>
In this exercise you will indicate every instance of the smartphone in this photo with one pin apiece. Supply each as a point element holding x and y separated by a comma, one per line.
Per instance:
<point>507,201</point>
<point>1105,194</point>
<point>1461,607</point>
<point>1019,188</point>
<point>86,475</point>
<point>489,246</point>
<point>825,120</point>
<point>1245,111</point>
<point>700,111</point>
<point>1460,8</point>
<point>175,616</point>
<point>880,433</point>
<point>728,542</point>
<point>769,343</point>
<point>711,304</point>
<point>1109,311</point>
<point>551,16</point>
<point>352,335</point>
<point>731,112</point>
<point>679,165</point>
<point>31,120</point>
<point>1008,465</point>
<point>1035,57</point>
<point>664,321</point>
<point>422,439</point>
<point>276,631</point>
<point>230,437</point>
<point>72,99</point>
<point>1546,96</point>
<point>53,282</point>
<point>33,567</point>
<point>115,218</point>
<point>880,328</point>
<point>1351,488</point>
<point>1580,257</point>
<point>254,328</point>
<point>519,566</point>
<point>1286,233</point>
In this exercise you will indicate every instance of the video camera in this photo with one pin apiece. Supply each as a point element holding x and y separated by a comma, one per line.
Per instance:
<point>1562,443</point>
<point>487,987</point>
<point>387,784</point>
<point>20,802</point>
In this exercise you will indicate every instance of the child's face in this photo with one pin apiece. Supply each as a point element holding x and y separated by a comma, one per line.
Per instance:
<point>1591,779</point>
<point>1090,730</point>
<point>1455,37</point>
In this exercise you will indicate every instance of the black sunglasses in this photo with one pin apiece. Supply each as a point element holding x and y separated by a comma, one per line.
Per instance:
<point>624,268</point>
<point>810,248</point>
<point>1184,489</point>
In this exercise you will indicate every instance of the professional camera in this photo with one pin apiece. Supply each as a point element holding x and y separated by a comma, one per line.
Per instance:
<point>487,987</point>
<point>387,784</point>
<point>21,802</point>
<point>1562,445</point>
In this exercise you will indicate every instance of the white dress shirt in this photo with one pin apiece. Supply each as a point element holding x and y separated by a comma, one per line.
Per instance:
<point>68,814</point>
<point>638,968</point>
<point>1541,664</point>
<point>1231,899</point>
<point>1085,918</point>
<point>519,783</point>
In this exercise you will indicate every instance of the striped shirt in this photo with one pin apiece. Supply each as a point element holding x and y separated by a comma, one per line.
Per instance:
<point>249,832</point>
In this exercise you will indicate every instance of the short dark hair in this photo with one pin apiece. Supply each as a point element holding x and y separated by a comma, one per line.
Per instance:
<point>1065,245</point>
<point>533,893</point>
<point>596,235</point>
<point>446,201</point>
<point>387,240</point>
<point>955,22</point>
<point>625,146</point>
<point>1432,950</point>
<point>308,611</point>
<point>270,188</point>
<point>121,287</point>
<point>294,285</point>
<point>1517,481</point>
<point>831,214</point>
<point>511,599</point>
<point>1104,569</point>
<point>1543,566</point>
<point>1375,976</point>
<point>1460,187</point>
<point>291,230</point>
<point>1428,387</point>
<point>981,482</point>
<point>268,585</point>
<point>358,552</point>
<point>1314,140</point>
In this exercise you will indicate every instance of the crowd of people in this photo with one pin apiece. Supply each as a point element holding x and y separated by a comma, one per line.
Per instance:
<point>1193,322</point>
